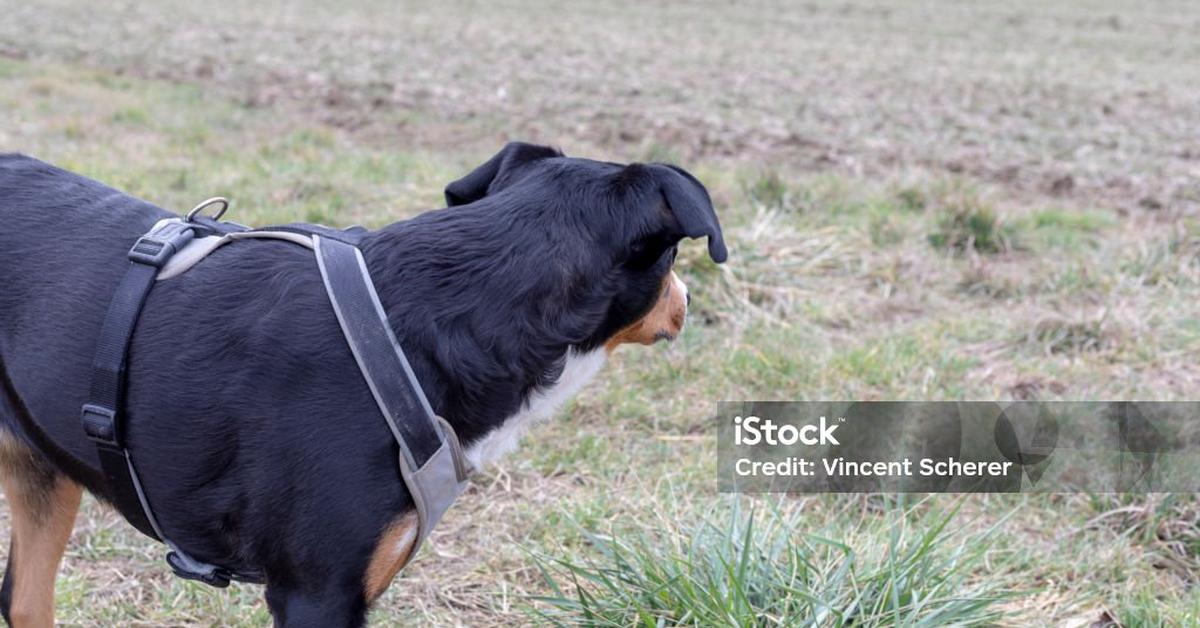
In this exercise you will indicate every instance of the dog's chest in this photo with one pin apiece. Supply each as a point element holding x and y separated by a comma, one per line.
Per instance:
<point>579,369</point>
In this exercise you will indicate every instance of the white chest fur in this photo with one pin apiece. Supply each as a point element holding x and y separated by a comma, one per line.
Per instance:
<point>578,371</point>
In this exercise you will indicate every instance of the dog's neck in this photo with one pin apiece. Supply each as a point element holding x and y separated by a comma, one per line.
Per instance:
<point>480,340</point>
<point>542,403</point>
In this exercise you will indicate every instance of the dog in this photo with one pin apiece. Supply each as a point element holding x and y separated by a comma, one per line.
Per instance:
<point>256,437</point>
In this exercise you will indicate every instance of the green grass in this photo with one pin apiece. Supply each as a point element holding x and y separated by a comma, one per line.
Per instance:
<point>968,223</point>
<point>904,567</point>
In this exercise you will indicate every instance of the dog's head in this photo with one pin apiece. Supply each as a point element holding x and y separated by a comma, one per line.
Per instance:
<point>619,226</point>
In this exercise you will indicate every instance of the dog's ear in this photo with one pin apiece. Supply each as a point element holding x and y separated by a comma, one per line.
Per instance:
<point>690,206</point>
<point>495,172</point>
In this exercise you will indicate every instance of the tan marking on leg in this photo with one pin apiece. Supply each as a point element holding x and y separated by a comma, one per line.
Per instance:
<point>663,321</point>
<point>391,554</point>
<point>42,519</point>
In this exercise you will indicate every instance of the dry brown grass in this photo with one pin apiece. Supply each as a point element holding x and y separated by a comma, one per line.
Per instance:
<point>1091,100</point>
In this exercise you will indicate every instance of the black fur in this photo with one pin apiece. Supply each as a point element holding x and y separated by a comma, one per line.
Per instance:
<point>256,437</point>
<point>6,588</point>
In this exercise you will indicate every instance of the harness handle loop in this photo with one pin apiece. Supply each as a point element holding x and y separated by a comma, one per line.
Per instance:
<point>216,200</point>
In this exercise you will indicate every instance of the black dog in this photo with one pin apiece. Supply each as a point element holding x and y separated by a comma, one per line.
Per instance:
<point>256,438</point>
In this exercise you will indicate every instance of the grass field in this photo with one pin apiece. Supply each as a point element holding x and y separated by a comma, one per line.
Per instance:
<point>935,200</point>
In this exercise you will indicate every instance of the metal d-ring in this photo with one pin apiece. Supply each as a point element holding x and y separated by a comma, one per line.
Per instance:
<point>216,200</point>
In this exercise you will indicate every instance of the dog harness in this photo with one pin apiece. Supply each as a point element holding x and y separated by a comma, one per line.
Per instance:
<point>431,461</point>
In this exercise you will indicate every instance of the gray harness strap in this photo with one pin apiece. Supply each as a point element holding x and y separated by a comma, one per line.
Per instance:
<point>431,459</point>
<point>199,248</point>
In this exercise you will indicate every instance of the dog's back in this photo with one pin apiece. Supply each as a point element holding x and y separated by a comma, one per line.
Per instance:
<point>63,239</point>
<point>59,230</point>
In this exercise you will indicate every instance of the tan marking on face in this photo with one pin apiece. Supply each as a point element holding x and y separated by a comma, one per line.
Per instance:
<point>391,554</point>
<point>663,321</point>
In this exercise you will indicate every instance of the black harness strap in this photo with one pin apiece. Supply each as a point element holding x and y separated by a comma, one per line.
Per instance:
<point>102,415</point>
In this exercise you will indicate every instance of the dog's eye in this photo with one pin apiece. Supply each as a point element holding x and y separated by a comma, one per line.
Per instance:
<point>651,251</point>
<point>641,255</point>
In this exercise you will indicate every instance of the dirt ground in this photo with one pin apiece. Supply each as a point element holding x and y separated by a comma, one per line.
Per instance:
<point>1092,100</point>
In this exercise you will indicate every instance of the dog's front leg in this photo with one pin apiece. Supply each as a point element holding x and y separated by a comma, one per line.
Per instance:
<point>342,598</point>
<point>317,604</point>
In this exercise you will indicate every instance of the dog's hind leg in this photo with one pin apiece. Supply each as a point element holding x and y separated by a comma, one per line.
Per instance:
<point>42,504</point>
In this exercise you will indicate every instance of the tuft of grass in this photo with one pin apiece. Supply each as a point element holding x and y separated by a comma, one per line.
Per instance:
<point>769,190</point>
<point>1063,229</point>
<point>911,199</point>
<point>759,569</point>
<point>1163,610</point>
<point>1078,221</point>
<point>1167,525</point>
<point>886,227</point>
<point>981,280</point>
<point>132,116</point>
<point>971,225</point>
<point>660,152</point>
<point>1171,259</point>
<point>1061,335</point>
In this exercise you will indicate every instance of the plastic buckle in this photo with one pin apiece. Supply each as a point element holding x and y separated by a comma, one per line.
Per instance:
<point>189,568</point>
<point>100,425</point>
<point>156,247</point>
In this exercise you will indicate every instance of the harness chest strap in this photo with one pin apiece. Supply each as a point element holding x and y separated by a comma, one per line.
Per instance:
<point>431,461</point>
